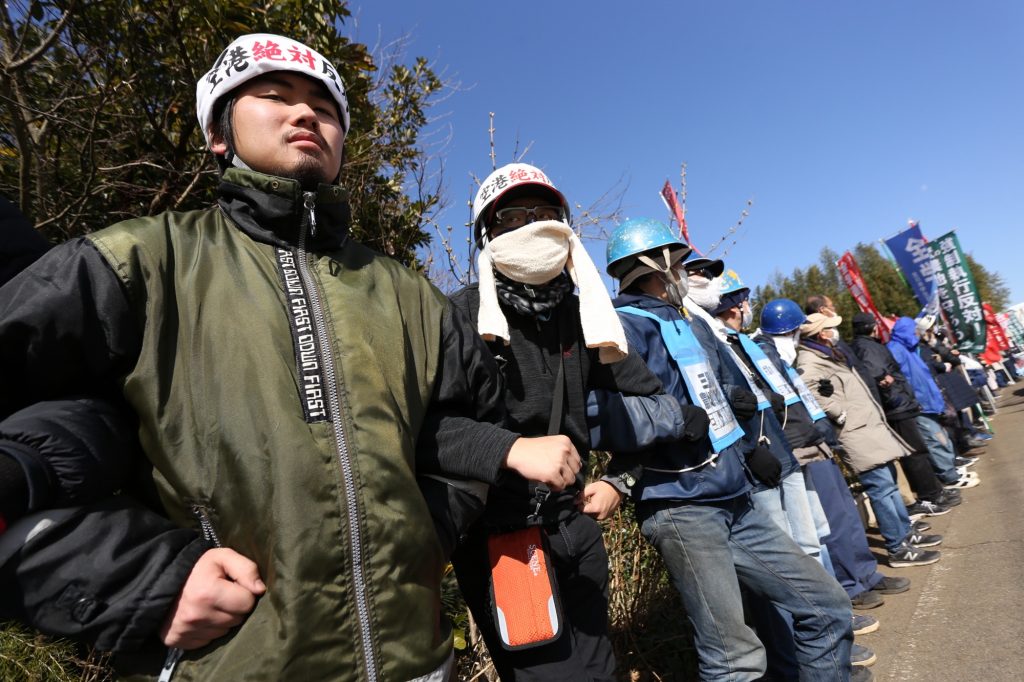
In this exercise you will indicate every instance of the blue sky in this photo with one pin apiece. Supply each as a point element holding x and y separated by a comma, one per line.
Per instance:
<point>841,120</point>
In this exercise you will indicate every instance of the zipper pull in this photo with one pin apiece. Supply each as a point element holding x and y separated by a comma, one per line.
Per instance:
<point>170,663</point>
<point>309,203</point>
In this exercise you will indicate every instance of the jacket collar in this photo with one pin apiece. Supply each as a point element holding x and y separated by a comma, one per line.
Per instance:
<point>272,210</point>
<point>660,308</point>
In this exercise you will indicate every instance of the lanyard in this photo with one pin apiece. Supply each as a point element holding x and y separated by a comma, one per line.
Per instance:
<point>701,384</point>
<point>768,371</point>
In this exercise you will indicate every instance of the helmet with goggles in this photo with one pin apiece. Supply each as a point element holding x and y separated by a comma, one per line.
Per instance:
<point>636,236</point>
<point>255,54</point>
<point>507,182</point>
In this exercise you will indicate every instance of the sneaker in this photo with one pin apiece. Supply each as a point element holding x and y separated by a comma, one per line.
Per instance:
<point>923,508</point>
<point>963,483</point>
<point>964,462</point>
<point>908,555</point>
<point>892,585</point>
<point>919,540</point>
<point>859,673</point>
<point>861,655</point>
<point>867,600</point>
<point>950,498</point>
<point>921,526</point>
<point>863,624</point>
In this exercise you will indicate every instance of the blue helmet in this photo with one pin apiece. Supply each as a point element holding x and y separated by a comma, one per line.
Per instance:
<point>731,283</point>
<point>781,316</point>
<point>636,236</point>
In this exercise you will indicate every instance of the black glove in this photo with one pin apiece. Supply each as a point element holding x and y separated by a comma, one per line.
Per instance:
<point>695,422</point>
<point>764,466</point>
<point>743,403</point>
<point>778,404</point>
<point>825,388</point>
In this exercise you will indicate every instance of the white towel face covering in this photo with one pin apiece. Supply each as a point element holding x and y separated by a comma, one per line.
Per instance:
<point>535,254</point>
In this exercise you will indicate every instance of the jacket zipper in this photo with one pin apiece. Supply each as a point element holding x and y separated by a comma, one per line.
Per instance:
<point>209,534</point>
<point>340,441</point>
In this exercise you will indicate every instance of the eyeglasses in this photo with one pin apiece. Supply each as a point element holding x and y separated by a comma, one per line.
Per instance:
<point>517,216</point>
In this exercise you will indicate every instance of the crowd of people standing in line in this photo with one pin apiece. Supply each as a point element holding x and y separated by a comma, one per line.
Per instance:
<point>235,444</point>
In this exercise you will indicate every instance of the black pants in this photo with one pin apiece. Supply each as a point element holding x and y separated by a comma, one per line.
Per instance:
<point>583,652</point>
<point>916,466</point>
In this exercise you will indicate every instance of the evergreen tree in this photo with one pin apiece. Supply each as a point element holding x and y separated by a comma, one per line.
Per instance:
<point>97,112</point>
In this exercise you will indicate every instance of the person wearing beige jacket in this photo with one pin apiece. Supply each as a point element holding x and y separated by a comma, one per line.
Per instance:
<point>868,446</point>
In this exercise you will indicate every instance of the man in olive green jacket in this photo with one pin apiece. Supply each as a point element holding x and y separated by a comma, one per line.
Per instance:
<point>290,385</point>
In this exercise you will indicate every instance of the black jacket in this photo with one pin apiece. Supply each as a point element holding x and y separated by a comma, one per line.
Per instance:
<point>530,365</point>
<point>20,243</point>
<point>64,452</point>
<point>898,399</point>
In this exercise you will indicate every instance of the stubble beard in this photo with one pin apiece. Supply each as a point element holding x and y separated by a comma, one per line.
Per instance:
<point>307,171</point>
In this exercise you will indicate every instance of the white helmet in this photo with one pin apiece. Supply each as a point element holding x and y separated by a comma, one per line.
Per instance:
<point>255,54</point>
<point>512,176</point>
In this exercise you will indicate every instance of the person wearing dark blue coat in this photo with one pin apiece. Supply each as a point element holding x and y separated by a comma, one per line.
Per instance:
<point>692,499</point>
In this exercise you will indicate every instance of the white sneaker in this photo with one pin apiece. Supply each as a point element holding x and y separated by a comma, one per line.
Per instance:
<point>964,482</point>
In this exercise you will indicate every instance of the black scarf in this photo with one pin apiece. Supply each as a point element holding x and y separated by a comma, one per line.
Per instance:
<point>529,300</point>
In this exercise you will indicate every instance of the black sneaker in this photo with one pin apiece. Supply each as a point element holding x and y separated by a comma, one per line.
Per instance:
<point>950,498</point>
<point>867,600</point>
<point>908,555</point>
<point>964,461</point>
<point>920,526</point>
<point>923,508</point>
<point>892,585</point>
<point>919,540</point>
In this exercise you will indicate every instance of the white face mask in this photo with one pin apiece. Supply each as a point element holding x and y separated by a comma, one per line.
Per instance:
<point>748,316</point>
<point>676,286</point>
<point>786,345</point>
<point>705,292</point>
<point>533,254</point>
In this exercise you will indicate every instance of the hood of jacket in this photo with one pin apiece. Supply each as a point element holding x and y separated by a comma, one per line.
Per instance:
<point>903,333</point>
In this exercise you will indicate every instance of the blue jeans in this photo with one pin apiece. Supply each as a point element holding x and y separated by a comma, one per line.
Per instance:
<point>854,564</point>
<point>940,448</point>
<point>788,507</point>
<point>710,549</point>
<point>890,512</point>
<point>821,527</point>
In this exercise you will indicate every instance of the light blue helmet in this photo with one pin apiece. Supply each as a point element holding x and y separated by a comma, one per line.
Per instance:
<point>636,236</point>
<point>731,283</point>
<point>781,316</point>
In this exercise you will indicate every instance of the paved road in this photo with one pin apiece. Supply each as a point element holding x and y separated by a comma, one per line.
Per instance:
<point>963,618</point>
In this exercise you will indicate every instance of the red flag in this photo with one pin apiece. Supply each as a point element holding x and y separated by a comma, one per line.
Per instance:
<point>668,195</point>
<point>859,290</point>
<point>996,340</point>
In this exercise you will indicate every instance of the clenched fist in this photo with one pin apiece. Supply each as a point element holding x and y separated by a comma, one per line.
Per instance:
<point>218,594</point>
<point>551,460</point>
